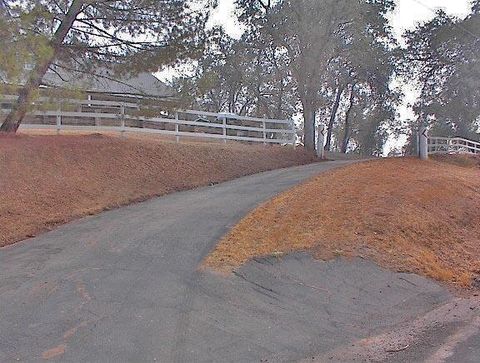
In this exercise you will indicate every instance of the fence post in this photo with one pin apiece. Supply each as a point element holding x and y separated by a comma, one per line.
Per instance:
<point>177,135</point>
<point>224,120</point>
<point>322,132</point>
<point>122,118</point>
<point>59,120</point>
<point>98,121</point>
<point>264,124</point>
<point>423,143</point>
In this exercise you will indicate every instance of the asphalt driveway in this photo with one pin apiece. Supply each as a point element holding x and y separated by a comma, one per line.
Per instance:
<point>124,286</point>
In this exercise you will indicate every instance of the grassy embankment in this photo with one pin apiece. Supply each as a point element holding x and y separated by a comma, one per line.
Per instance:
<point>404,214</point>
<point>49,180</point>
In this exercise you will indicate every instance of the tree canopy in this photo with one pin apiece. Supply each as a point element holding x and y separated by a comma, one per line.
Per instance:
<point>331,60</point>
<point>443,55</point>
<point>133,35</point>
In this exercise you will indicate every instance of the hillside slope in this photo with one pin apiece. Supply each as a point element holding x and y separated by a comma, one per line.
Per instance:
<point>409,215</point>
<point>48,180</point>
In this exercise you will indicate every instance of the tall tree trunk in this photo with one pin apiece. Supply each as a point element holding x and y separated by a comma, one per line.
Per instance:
<point>309,125</point>
<point>231,101</point>
<point>278,113</point>
<point>346,135</point>
<point>333,116</point>
<point>25,97</point>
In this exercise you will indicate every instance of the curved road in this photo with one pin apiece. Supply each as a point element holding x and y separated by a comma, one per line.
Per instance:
<point>124,286</point>
<point>113,286</point>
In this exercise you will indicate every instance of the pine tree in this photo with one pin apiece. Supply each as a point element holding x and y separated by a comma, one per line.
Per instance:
<point>80,35</point>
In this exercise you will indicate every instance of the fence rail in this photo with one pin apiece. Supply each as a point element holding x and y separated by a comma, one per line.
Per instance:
<point>97,115</point>
<point>455,145</point>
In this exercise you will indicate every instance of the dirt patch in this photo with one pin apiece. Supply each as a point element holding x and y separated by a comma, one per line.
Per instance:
<point>430,338</point>
<point>405,214</point>
<point>54,352</point>
<point>49,180</point>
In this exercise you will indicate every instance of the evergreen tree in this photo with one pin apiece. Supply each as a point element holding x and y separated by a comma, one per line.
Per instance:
<point>81,34</point>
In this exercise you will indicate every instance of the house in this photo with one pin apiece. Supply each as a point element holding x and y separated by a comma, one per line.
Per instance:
<point>104,85</point>
<point>102,92</point>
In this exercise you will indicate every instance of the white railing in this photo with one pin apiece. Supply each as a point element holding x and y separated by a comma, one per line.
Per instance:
<point>454,145</point>
<point>96,115</point>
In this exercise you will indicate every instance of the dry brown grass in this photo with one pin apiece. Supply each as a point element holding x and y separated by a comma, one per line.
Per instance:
<point>465,160</point>
<point>49,180</point>
<point>408,215</point>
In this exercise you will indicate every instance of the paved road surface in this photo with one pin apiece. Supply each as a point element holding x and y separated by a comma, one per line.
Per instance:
<point>124,286</point>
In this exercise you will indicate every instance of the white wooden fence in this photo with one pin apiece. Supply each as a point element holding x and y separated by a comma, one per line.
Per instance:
<point>455,145</point>
<point>94,115</point>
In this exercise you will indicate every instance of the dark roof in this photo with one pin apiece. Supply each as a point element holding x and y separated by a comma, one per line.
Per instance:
<point>143,84</point>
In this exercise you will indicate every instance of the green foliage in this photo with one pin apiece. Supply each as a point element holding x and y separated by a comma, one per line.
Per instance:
<point>245,76</point>
<point>367,65</point>
<point>444,57</point>
<point>77,36</point>
<point>20,46</point>
<point>134,35</point>
<point>330,46</point>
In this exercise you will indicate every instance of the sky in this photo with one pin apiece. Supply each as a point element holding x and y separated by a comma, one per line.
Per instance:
<point>407,14</point>
<point>410,12</point>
